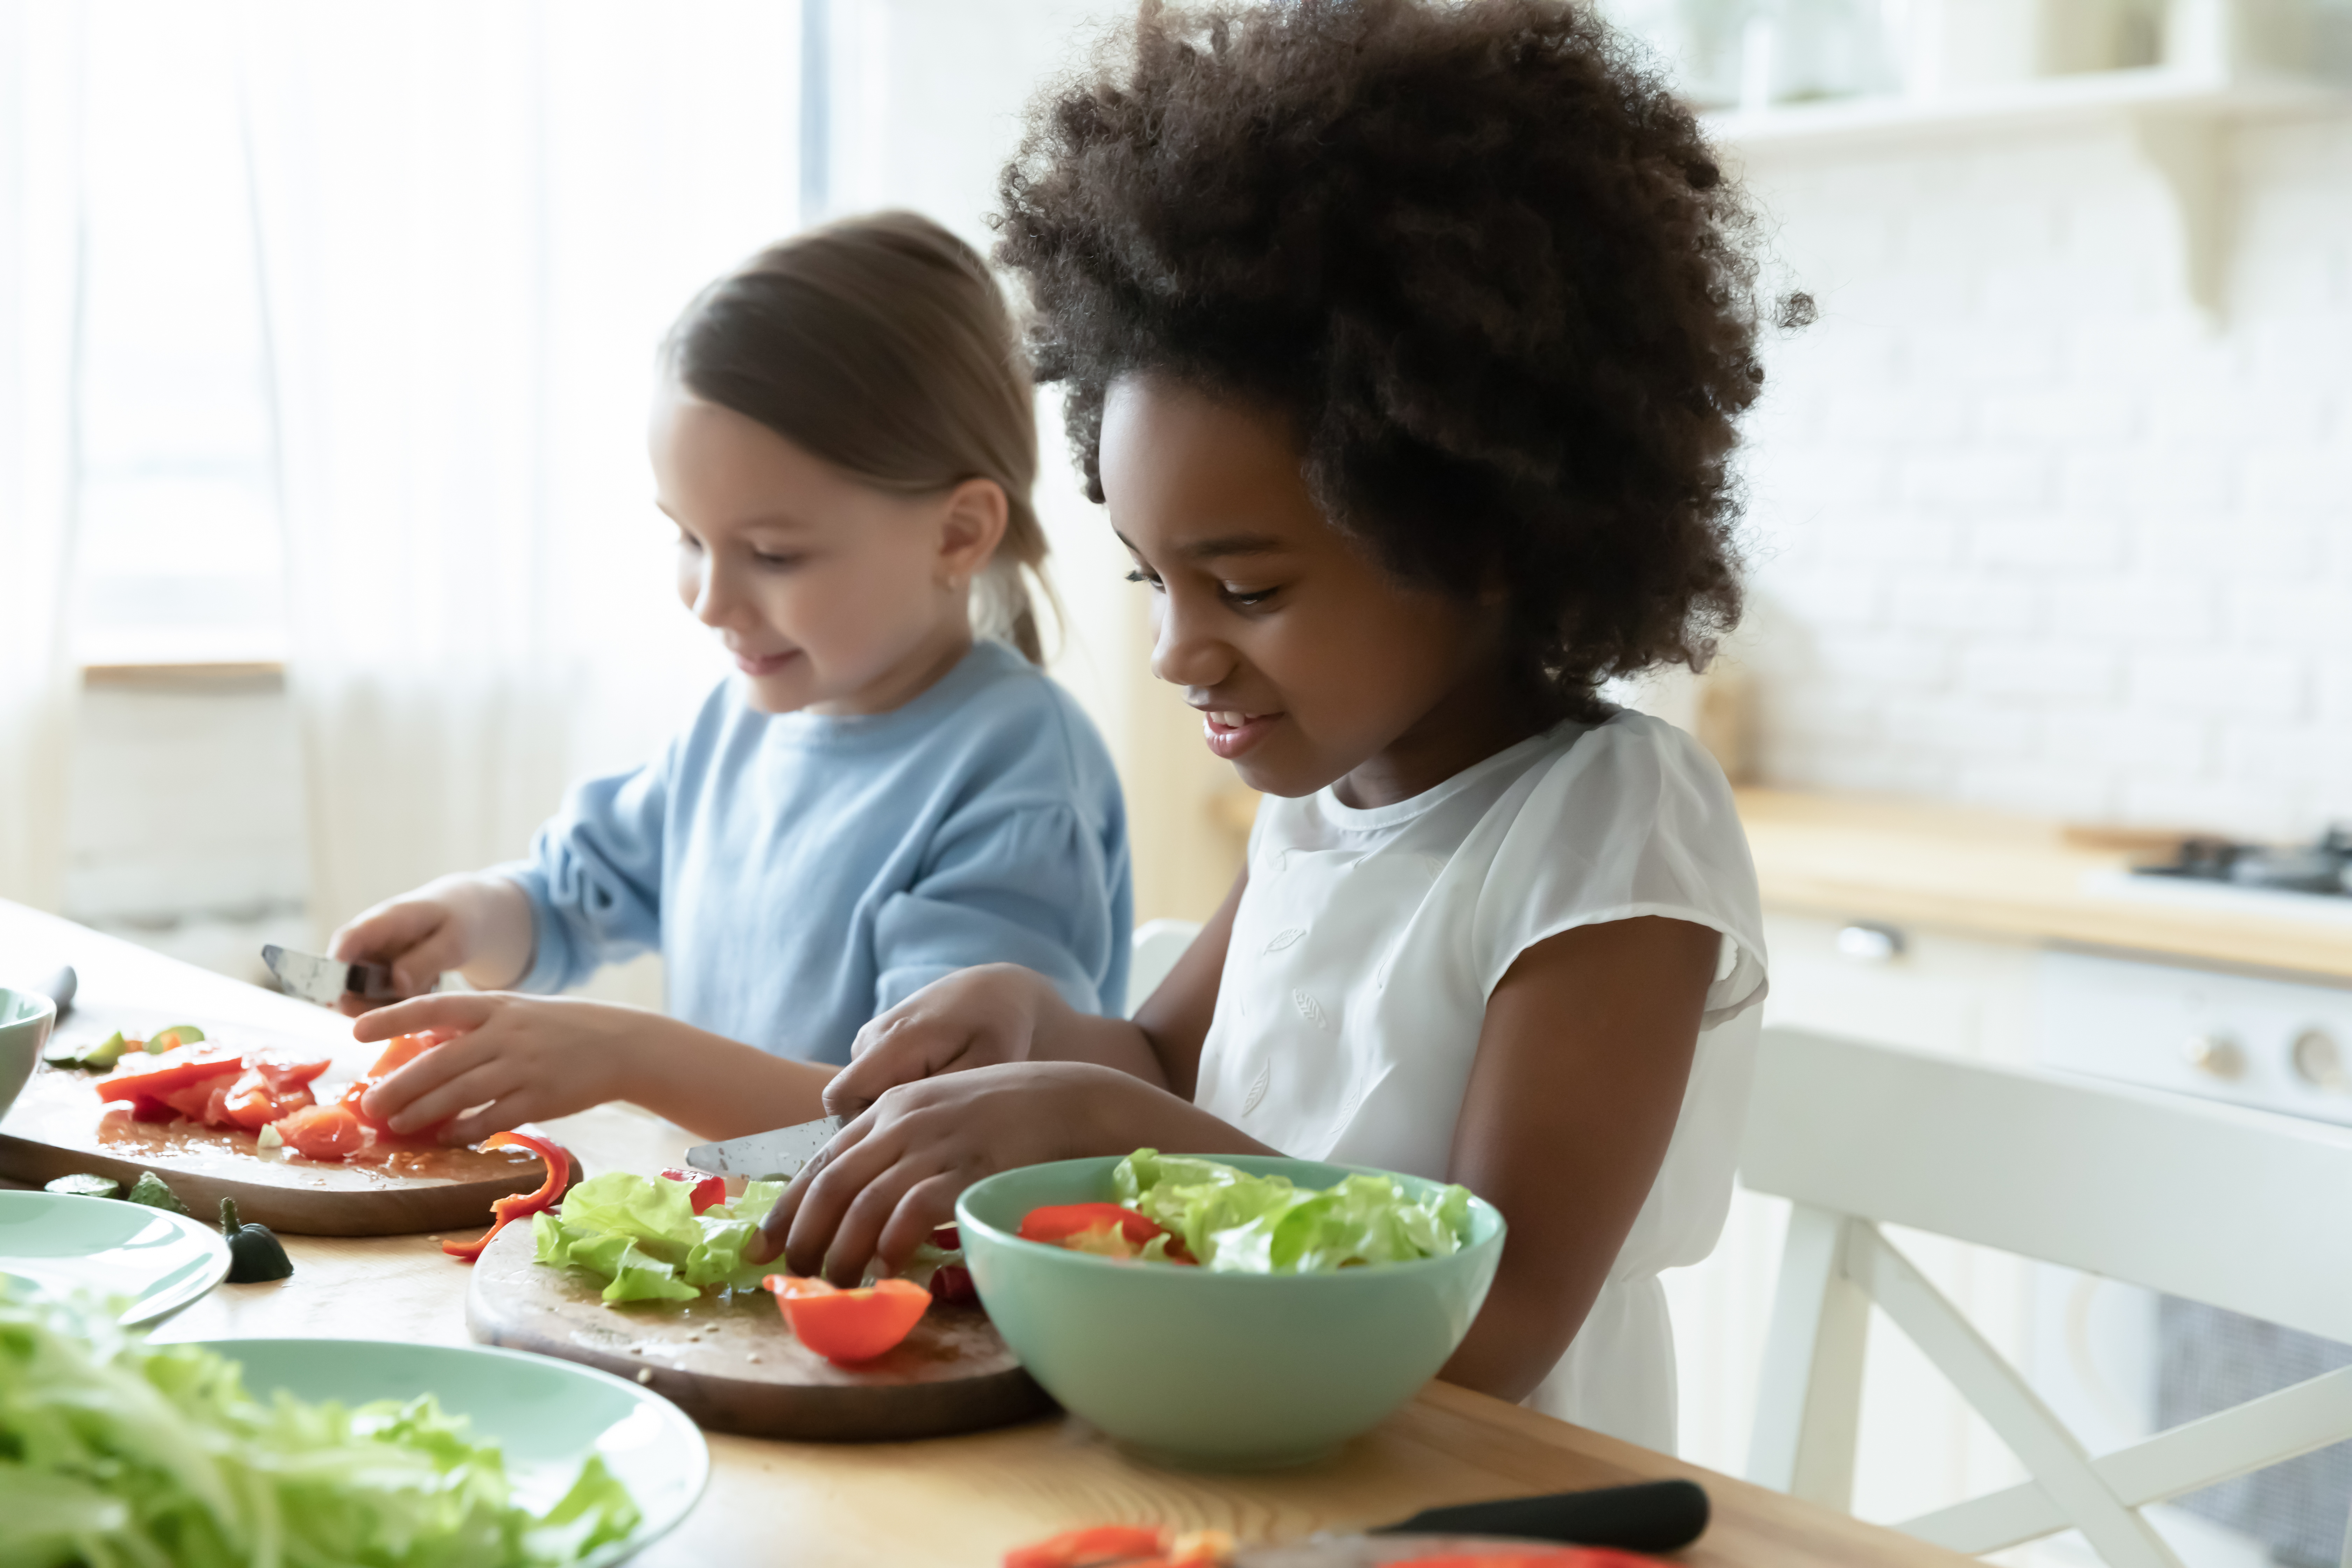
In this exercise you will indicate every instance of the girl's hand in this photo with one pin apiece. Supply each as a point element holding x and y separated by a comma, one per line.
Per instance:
<point>480,926</point>
<point>893,1175</point>
<point>973,1018</point>
<point>520,1059</point>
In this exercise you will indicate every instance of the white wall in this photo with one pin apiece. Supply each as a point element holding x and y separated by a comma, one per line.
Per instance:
<point>2029,533</point>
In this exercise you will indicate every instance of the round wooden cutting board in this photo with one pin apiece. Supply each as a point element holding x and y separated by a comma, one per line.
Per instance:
<point>58,1126</point>
<point>734,1365</point>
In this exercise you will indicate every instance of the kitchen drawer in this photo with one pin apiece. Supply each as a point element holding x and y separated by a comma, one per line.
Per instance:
<point>1924,989</point>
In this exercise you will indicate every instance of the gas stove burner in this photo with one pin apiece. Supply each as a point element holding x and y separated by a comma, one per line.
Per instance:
<point>2323,867</point>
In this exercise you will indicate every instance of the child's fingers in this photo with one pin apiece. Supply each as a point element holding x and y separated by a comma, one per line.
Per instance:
<point>926,1206</point>
<point>504,1115</point>
<point>453,1012</point>
<point>481,1085</point>
<point>777,1226</point>
<point>828,1194</point>
<point>396,1094</point>
<point>894,1049</point>
<point>416,939</point>
<point>858,1236</point>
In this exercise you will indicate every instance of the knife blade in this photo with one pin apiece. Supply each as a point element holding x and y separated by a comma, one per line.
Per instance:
<point>775,1156</point>
<point>327,981</point>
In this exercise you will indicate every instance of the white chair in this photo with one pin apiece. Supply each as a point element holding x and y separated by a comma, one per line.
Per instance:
<point>2237,1208</point>
<point>1158,945</point>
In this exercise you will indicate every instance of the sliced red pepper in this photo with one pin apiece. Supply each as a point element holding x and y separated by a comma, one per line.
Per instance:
<point>1088,1548</point>
<point>253,1102</point>
<point>705,1188</point>
<point>849,1326</point>
<point>505,1211</point>
<point>145,1109</point>
<point>154,1077</point>
<point>402,1050</point>
<point>323,1131</point>
<point>283,1073</point>
<point>1112,1230</point>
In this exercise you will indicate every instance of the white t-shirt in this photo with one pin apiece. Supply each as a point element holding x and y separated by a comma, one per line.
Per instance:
<point>1367,941</point>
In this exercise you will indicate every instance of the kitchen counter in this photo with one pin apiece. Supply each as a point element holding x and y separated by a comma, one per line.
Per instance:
<point>1903,862</point>
<point>959,1500</point>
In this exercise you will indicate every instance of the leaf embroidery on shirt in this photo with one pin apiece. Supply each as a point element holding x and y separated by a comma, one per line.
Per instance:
<point>1256,1090</point>
<point>1290,938</point>
<point>1308,1008</point>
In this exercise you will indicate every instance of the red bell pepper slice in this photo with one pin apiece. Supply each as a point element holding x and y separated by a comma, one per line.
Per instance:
<point>1112,1230</point>
<point>505,1211</point>
<point>323,1131</point>
<point>705,1189</point>
<point>154,1077</point>
<point>1095,1545</point>
<point>253,1102</point>
<point>849,1326</point>
<point>145,1109</point>
<point>402,1050</point>
<point>283,1073</point>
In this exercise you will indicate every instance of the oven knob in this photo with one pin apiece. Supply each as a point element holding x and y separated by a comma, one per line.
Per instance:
<point>2318,1061</point>
<point>2216,1054</point>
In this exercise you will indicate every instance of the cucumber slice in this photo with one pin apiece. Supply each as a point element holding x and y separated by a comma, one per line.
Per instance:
<point>104,1054</point>
<point>177,1034</point>
<point>86,1187</point>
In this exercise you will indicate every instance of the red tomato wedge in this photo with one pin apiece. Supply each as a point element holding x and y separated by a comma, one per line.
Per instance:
<point>505,1211</point>
<point>323,1131</point>
<point>283,1073</point>
<point>849,1326</point>
<point>705,1189</point>
<point>155,1078</point>
<point>253,1102</point>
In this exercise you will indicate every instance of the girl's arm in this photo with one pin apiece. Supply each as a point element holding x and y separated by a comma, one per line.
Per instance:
<point>1002,1013</point>
<point>525,1058</point>
<point>1583,1061</point>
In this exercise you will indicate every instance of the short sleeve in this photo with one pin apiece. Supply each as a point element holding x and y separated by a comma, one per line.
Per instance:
<point>1634,819</point>
<point>594,878</point>
<point>1025,884</point>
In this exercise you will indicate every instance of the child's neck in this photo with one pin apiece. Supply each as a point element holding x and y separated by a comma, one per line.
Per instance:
<point>1483,715</point>
<point>923,668</point>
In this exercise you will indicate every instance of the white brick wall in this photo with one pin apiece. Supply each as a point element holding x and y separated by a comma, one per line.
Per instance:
<point>2027,530</point>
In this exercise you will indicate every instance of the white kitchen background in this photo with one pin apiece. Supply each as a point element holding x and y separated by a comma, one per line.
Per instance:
<point>2050,510</point>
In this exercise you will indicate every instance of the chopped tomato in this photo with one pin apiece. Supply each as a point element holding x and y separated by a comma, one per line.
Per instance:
<point>145,1109</point>
<point>323,1131</point>
<point>253,1102</point>
<point>190,1099</point>
<point>154,1077</point>
<point>283,1073</point>
<point>705,1188</point>
<point>1111,1230</point>
<point>505,1211</point>
<point>849,1326</point>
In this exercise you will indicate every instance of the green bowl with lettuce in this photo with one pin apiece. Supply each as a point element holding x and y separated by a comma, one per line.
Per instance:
<point>1324,1298</point>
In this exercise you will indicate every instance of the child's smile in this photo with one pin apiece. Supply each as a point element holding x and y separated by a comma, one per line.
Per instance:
<point>1310,663</point>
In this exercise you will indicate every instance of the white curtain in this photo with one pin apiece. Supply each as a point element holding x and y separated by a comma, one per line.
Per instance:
<point>40,77</point>
<point>474,222</point>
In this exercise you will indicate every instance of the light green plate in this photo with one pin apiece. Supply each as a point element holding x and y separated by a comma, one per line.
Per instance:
<point>546,1415</point>
<point>161,1261</point>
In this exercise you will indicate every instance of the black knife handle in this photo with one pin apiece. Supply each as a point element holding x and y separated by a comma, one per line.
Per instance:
<point>1652,1516</point>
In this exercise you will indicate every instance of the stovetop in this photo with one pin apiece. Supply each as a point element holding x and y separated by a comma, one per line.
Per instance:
<point>2324,867</point>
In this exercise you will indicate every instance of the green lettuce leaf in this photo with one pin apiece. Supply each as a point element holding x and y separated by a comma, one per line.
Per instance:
<point>119,1453</point>
<point>1234,1222</point>
<point>642,1236</point>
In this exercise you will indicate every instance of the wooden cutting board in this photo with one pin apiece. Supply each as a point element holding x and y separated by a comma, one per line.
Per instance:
<point>60,1126</point>
<point>734,1365</point>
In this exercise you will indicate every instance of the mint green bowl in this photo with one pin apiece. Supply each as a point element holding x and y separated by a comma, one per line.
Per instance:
<point>1218,1371</point>
<point>26,1020</point>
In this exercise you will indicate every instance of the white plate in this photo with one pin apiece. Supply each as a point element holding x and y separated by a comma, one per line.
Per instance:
<point>159,1261</point>
<point>546,1415</point>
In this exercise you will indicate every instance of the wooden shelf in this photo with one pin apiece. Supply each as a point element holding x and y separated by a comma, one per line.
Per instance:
<point>2048,102</point>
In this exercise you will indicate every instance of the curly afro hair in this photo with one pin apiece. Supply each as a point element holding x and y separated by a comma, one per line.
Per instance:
<point>1482,261</point>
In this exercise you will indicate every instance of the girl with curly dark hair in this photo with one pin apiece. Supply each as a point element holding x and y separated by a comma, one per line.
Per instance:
<point>1405,342</point>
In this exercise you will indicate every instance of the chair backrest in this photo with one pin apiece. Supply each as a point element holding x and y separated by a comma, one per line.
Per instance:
<point>1158,945</point>
<point>2214,1203</point>
<point>2232,1207</point>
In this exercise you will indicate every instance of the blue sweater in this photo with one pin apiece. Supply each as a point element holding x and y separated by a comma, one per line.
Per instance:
<point>802,873</point>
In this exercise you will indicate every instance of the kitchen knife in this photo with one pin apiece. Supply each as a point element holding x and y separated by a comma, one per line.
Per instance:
<point>1652,1516</point>
<point>775,1156</point>
<point>327,981</point>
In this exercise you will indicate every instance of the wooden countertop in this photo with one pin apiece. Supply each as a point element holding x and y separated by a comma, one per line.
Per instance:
<point>1855,857</point>
<point>959,1500</point>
